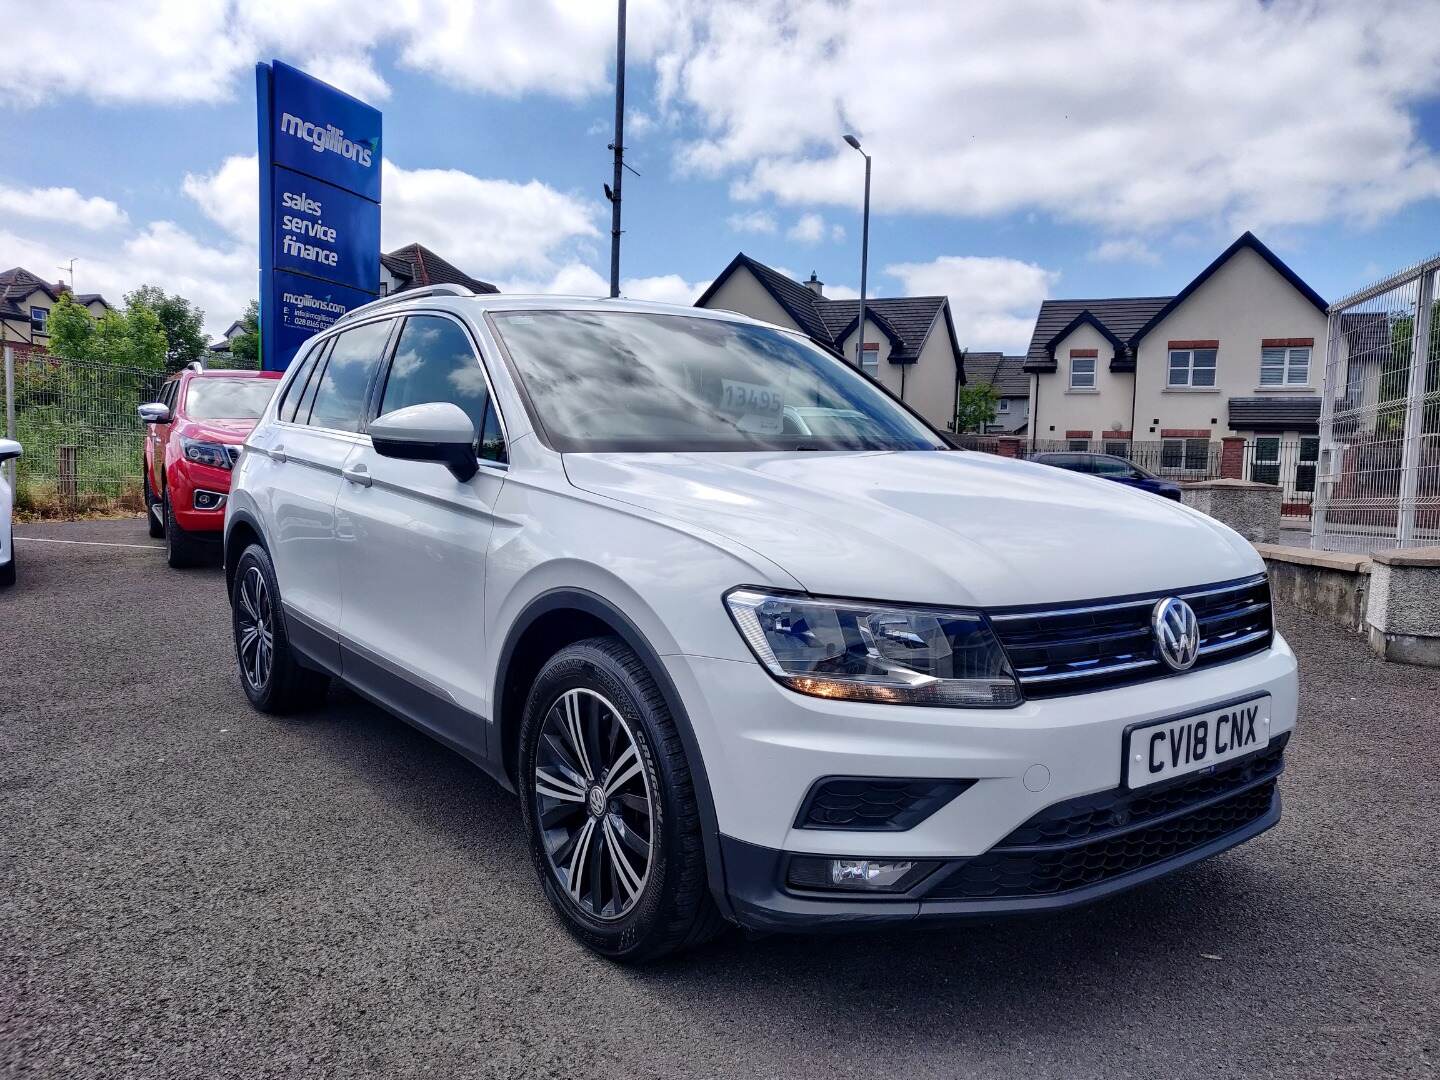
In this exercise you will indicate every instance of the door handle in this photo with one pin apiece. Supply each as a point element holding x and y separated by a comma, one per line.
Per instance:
<point>277,453</point>
<point>357,474</point>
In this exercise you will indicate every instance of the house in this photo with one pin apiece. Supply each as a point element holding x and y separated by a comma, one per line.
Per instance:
<point>910,344</point>
<point>25,303</point>
<point>1012,389</point>
<point>415,265</point>
<point>1238,351</point>
<point>234,330</point>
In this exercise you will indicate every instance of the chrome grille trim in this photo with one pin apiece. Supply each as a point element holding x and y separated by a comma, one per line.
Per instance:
<point>1065,649</point>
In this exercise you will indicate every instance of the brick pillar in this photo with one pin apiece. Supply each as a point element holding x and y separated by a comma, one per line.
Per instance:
<point>1007,446</point>
<point>1232,457</point>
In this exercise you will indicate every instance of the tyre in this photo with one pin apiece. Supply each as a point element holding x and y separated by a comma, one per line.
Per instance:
<point>181,548</point>
<point>609,806</point>
<point>153,516</point>
<point>7,572</point>
<point>271,673</point>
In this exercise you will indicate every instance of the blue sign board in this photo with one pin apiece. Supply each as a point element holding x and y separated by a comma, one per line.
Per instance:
<point>325,231</point>
<point>319,207</point>
<point>305,306</point>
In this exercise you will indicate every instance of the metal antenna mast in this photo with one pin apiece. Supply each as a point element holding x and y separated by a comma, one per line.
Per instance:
<point>613,193</point>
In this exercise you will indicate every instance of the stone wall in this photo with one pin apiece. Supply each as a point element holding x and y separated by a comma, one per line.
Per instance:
<point>1252,510</point>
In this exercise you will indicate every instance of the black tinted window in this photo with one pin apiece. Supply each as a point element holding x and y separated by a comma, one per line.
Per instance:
<point>296,390</point>
<point>434,362</point>
<point>340,398</point>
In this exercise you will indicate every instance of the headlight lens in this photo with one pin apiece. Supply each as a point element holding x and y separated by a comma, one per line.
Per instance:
<point>205,453</point>
<point>865,652</point>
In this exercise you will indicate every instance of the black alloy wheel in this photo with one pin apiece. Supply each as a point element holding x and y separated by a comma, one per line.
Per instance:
<point>593,804</point>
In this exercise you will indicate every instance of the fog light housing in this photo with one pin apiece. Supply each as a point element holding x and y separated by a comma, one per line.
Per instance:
<point>208,500</point>
<point>857,874</point>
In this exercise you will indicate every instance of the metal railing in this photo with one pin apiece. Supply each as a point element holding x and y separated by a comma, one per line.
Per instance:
<point>1379,472</point>
<point>83,441</point>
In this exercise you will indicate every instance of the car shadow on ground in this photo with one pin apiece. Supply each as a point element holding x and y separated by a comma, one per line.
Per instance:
<point>1169,940</point>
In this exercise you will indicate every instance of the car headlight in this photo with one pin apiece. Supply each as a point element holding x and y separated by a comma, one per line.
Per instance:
<point>206,453</point>
<point>869,652</point>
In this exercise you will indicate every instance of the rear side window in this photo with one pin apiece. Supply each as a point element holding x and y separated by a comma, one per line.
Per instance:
<point>296,390</point>
<point>340,396</point>
<point>435,362</point>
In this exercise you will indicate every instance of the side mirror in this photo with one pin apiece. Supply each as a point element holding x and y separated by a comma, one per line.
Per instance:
<point>9,449</point>
<point>154,413</point>
<point>437,431</point>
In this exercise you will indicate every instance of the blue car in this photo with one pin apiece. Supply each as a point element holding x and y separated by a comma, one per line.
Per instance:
<point>1110,467</point>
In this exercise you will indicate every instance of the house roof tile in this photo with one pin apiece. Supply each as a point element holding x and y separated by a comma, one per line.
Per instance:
<point>1005,373</point>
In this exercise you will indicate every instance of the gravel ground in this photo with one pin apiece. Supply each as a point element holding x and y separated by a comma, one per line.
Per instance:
<point>191,889</point>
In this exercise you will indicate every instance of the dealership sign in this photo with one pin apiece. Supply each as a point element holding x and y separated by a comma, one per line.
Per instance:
<point>319,207</point>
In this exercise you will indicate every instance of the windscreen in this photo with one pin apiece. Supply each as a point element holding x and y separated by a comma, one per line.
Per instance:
<point>228,399</point>
<point>628,381</point>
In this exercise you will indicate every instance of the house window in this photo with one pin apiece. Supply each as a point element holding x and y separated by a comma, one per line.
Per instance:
<point>40,320</point>
<point>1082,373</point>
<point>1305,467</point>
<point>1189,455</point>
<point>1265,469</point>
<point>1192,367</point>
<point>1285,367</point>
<point>1081,445</point>
<point>1117,447</point>
<point>1003,406</point>
<point>870,358</point>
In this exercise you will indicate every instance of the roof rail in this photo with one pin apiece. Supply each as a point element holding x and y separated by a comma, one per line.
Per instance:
<point>404,294</point>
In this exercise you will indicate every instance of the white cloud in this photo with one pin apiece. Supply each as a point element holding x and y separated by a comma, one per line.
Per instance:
<point>752,221</point>
<point>230,195</point>
<point>484,226</point>
<point>578,279</point>
<point>992,300</point>
<point>218,279</point>
<point>837,234</point>
<point>1130,249</point>
<point>202,50</point>
<point>808,229</point>
<point>487,227</point>
<point>1230,112</point>
<point>62,204</point>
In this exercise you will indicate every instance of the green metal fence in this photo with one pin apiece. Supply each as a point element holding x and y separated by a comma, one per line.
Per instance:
<point>83,439</point>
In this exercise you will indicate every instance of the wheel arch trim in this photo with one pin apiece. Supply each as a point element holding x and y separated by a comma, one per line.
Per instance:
<point>596,606</point>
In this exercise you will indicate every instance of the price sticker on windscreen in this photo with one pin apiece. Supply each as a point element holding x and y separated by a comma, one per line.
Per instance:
<point>758,407</point>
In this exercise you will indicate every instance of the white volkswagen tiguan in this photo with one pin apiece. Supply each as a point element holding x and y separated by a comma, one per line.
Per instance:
<point>738,668</point>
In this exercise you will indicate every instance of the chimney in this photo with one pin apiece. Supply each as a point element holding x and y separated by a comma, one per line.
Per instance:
<point>815,285</point>
<point>60,287</point>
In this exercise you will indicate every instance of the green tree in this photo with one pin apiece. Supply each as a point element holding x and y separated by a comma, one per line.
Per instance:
<point>975,407</point>
<point>72,329</point>
<point>129,338</point>
<point>181,322</point>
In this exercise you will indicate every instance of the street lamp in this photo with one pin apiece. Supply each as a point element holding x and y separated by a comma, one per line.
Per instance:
<point>864,248</point>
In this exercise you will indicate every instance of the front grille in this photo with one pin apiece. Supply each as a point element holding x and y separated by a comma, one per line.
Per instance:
<point>1091,839</point>
<point>1095,645</point>
<point>873,803</point>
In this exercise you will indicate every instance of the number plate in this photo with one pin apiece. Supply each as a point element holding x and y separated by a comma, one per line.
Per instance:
<point>1170,748</point>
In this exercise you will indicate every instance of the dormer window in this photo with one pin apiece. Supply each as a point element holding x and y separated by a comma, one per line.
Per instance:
<point>39,320</point>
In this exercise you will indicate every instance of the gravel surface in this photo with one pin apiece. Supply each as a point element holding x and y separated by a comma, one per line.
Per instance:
<point>191,889</point>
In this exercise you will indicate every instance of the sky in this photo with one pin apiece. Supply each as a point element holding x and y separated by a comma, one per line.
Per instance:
<point>1022,149</point>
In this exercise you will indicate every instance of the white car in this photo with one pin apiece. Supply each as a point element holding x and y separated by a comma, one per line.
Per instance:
<point>738,673</point>
<point>9,451</point>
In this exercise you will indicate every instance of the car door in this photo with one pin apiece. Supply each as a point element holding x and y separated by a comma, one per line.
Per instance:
<point>156,436</point>
<point>414,574</point>
<point>317,429</point>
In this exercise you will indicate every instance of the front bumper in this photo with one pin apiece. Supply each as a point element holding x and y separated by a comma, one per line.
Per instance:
<point>765,746</point>
<point>188,477</point>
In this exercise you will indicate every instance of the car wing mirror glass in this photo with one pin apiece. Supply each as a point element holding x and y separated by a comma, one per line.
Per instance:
<point>438,431</point>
